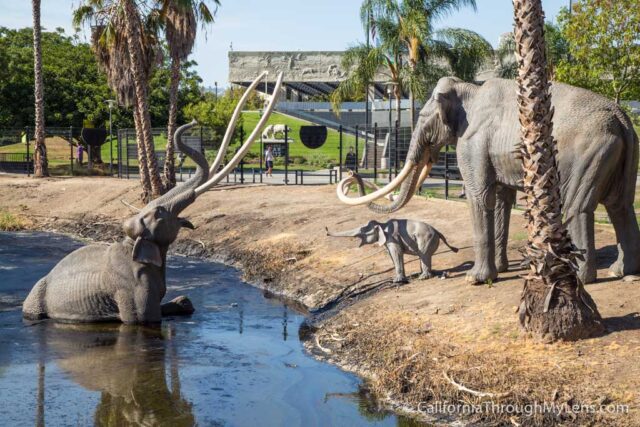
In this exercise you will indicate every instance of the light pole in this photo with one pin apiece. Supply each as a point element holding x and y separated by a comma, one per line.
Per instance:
<point>111,103</point>
<point>366,96</point>
<point>389,90</point>
<point>216,85</point>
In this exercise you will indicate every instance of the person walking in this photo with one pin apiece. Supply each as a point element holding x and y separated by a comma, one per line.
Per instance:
<point>268,158</point>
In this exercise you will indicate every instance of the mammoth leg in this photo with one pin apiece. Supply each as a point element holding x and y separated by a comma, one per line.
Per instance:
<point>398,262</point>
<point>505,197</point>
<point>625,224</point>
<point>147,303</point>
<point>425,267</point>
<point>480,184</point>
<point>126,306</point>
<point>482,218</point>
<point>34,307</point>
<point>581,230</point>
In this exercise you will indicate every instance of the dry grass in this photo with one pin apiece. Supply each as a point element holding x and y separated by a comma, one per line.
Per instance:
<point>419,366</point>
<point>12,222</point>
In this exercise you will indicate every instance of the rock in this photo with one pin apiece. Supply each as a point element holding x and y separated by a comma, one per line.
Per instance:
<point>179,306</point>
<point>630,278</point>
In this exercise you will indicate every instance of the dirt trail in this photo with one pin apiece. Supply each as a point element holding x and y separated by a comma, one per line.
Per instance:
<point>420,342</point>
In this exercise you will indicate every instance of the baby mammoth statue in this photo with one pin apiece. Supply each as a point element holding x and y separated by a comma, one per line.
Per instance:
<point>401,236</point>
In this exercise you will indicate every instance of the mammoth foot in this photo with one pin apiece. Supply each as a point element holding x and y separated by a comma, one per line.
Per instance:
<point>427,275</point>
<point>502,265</point>
<point>400,279</point>
<point>179,306</point>
<point>480,275</point>
<point>620,269</point>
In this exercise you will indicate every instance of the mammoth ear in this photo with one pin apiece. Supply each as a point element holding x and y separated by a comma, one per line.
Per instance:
<point>382,236</point>
<point>445,104</point>
<point>186,223</point>
<point>146,252</point>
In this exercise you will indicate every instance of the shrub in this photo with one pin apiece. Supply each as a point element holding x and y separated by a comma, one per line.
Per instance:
<point>319,160</point>
<point>11,222</point>
<point>298,160</point>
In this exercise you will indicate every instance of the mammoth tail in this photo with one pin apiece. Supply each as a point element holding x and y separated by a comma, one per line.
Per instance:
<point>453,249</point>
<point>34,307</point>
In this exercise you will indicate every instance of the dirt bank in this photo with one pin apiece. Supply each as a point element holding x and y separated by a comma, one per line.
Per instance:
<point>425,343</point>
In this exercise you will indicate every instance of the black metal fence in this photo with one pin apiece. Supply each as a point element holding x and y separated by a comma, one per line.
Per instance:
<point>381,152</point>
<point>16,149</point>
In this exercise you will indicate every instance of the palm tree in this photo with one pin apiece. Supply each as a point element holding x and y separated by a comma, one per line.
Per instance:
<point>554,303</point>
<point>41,168</point>
<point>127,49</point>
<point>181,18</point>
<point>133,30</point>
<point>404,30</point>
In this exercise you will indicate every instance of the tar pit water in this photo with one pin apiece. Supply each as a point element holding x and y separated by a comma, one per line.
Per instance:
<point>236,361</point>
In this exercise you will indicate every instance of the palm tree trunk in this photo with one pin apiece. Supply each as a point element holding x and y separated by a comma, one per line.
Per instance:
<point>132,30</point>
<point>554,303</point>
<point>41,167</point>
<point>142,157</point>
<point>169,168</point>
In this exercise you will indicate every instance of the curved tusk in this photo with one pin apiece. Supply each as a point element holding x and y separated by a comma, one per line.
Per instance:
<point>424,174</point>
<point>247,144</point>
<point>343,187</point>
<point>232,124</point>
<point>130,206</point>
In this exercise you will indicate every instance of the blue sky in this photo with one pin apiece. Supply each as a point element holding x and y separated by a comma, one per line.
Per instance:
<point>279,25</point>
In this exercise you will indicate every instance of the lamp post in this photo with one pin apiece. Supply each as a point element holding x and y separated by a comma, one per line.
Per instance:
<point>111,103</point>
<point>216,85</point>
<point>390,87</point>
<point>389,90</point>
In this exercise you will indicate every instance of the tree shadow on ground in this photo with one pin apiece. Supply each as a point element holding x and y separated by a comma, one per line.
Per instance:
<point>628,322</point>
<point>606,256</point>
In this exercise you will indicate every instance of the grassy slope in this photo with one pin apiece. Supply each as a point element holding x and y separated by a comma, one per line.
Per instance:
<point>329,149</point>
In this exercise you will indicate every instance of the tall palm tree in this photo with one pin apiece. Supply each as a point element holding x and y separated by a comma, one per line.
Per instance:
<point>408,25</point>
<point>181,19</point>
<point>133,30</point>
<point>41,167</point>
<point>127,48</point>
<point>554,303</point>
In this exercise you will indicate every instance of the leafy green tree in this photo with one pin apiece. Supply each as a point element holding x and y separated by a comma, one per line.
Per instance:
<point>76,87</point>
<point>215,113</point>
<point>604,47</point>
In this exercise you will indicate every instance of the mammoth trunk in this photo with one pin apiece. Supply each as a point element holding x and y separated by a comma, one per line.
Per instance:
<point>418,173</point>
<point>407,190</point>
<point>413,173</point>
<point>349,233</point>
<point>182,196</point>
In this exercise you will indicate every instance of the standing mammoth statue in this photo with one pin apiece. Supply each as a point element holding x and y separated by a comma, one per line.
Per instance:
<point>126,280</point>
<point>271,131</point>
<point>597,161</point>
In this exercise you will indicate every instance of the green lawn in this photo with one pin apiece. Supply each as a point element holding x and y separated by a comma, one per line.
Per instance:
<point>314,159</point>
<point>330,149</point>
